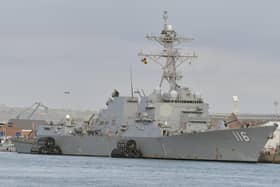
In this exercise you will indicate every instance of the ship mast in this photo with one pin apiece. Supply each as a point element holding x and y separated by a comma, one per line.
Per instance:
<point>168,39</point>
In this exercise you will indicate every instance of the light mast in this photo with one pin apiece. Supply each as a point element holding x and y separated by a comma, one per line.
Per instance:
<point>173,58</point>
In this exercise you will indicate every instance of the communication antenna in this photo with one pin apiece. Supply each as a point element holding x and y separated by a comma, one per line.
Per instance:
<point>235,104</point>
<point>165,17</point>
<point>131,81</point>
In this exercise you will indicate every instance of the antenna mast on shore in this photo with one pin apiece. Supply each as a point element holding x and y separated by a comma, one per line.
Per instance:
<point>276,109</point>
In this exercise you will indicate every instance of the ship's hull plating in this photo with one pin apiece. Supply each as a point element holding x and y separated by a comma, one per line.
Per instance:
<point>219,145</point>
<point>23,147</point>
<point>223,145</point>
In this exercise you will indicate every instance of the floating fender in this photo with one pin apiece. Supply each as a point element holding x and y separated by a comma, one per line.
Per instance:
<point>116,153</point>
<point>126,149</point>
<point>43,150</point>
<point>56,150</point>
<point>46,141</point>
<point>46,145</point>
<point>136,154</point>
<point>121,144</point>
<point>131,144</point>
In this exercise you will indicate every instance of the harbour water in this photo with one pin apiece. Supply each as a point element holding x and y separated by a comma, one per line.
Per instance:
<point>43,170</point>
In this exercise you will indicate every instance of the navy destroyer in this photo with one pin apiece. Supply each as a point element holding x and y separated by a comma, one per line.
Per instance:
<point>169,123</point>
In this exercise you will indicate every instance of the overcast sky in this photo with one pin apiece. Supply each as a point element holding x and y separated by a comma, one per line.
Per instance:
<point>86,47</point>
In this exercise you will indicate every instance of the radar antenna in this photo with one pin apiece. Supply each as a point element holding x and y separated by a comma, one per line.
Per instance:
<point>168,39</point>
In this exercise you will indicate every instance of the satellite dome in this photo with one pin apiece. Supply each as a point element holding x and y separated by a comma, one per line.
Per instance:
<point>168,27</point>
<point>67,117</point>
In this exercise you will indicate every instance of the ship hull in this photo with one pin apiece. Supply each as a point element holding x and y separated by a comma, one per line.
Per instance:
<point>219,145</point>
<point>23,147</point>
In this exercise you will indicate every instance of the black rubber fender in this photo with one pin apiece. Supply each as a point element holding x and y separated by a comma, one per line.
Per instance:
<point>43,150</point>
<point>131,144</point>
<point>56,150</point>
<point>116,153</point>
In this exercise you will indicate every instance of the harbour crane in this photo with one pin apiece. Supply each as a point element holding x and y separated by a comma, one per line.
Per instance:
<point>34,108</point>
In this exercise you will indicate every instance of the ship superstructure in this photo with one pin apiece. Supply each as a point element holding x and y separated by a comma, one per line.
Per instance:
<point>189,112</point>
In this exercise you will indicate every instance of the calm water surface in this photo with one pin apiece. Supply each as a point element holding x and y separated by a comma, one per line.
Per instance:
<point>37,170</point>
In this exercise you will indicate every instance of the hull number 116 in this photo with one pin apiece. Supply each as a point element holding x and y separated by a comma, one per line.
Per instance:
<point>241,136</point>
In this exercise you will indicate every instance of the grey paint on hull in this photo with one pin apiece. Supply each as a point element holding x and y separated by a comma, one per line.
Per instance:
<point>220,145</point>
<point>23,147</point>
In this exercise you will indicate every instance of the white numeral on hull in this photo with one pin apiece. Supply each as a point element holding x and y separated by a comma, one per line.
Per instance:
<point>241,136</point>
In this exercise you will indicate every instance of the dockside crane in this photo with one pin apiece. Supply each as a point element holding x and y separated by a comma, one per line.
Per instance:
<point>34,108</point>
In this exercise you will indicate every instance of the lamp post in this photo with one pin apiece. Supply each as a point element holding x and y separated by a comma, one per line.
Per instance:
<point>235,104</point>
<point>67,117</point>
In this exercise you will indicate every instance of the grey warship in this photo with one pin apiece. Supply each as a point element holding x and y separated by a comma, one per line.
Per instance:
<point>169,123</point>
